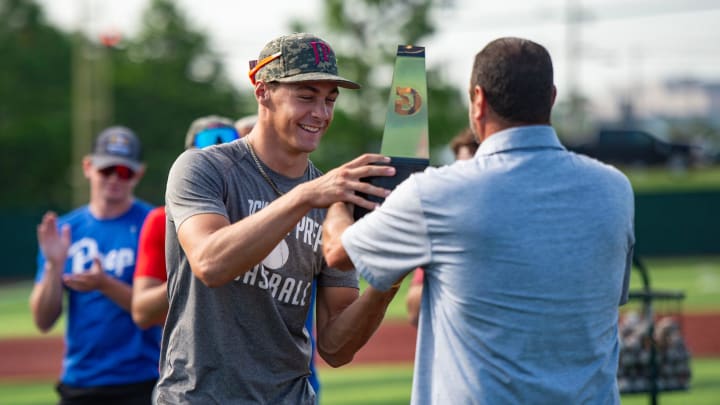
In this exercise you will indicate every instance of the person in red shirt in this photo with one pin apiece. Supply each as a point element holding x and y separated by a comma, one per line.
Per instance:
<point>149,297</point>
<point>464,147</point>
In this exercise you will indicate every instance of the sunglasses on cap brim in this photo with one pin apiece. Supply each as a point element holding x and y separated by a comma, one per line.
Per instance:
<point>215,136</point>
<point>257,65</point>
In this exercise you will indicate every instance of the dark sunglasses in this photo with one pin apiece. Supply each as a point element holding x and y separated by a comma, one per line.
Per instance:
<point>215,136</point>
<point>123,172</point>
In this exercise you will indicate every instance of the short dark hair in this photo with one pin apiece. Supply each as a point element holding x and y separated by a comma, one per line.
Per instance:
<point>516,76</point>
<point>464,138</point>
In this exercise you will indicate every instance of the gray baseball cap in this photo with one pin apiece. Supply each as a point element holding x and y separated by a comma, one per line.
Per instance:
<point>299,57</point>
<point>117,146</point>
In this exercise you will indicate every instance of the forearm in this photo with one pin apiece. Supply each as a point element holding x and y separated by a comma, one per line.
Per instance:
<point>337,220</point>
<point>344,335</point>
<point>149,305</point>
<point>232,250</point>
<point>46,299</point>
<point>119,292</point>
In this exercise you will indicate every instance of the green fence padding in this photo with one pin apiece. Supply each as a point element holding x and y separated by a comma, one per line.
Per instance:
<point>666,224</point>
<point>678,223</point>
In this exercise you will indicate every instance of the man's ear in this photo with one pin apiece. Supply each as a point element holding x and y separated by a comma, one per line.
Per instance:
<point>262,92</point>
<point>139,174</point>
<point>87,166</point>
<point>479,104</point>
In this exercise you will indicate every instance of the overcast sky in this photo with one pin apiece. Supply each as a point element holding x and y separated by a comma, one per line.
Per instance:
<point>621,44</point>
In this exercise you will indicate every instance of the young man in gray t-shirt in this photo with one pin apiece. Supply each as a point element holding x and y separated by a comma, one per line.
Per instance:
<point>244,242</point>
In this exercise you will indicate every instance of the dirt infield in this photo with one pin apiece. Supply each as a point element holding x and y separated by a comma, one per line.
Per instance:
<point>40,358</point>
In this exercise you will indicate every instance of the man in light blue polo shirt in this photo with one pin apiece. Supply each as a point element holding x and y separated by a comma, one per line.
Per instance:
<point>526,250</point>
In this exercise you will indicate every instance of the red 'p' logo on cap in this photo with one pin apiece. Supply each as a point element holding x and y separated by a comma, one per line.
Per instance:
<point>322,51</point>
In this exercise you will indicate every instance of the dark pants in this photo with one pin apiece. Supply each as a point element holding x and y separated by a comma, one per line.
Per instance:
<point>126,394</point>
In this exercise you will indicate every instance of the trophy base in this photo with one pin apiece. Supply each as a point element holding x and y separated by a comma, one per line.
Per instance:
<point>404,167</point>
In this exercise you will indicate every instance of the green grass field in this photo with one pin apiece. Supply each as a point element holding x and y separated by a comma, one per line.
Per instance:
<point>15,318</point>
<point>390,385</point>
<point>698,278</point>
<point>663,180</point>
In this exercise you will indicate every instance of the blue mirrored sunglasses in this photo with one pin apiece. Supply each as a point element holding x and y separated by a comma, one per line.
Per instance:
<point>215,136</point>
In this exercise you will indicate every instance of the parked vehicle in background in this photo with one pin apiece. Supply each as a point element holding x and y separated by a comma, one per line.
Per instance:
<point>631,147</point>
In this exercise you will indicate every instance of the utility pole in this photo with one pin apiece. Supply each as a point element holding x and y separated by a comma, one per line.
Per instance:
<point>573,41</point>
<point>91,102</point>
<point>635,88</point>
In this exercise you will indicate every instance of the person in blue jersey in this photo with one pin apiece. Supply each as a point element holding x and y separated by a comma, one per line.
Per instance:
<point>89,255</point>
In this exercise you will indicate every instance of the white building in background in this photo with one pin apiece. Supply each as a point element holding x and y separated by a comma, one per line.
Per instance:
<point>676,99</point>
<point>657,106</point>
<point>672,99</point>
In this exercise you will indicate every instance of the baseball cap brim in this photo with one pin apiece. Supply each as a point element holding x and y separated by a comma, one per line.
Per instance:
<point>319,77</point>
<point>103,161</point>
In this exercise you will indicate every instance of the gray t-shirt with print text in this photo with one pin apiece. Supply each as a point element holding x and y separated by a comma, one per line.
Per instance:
<point>244,341</point>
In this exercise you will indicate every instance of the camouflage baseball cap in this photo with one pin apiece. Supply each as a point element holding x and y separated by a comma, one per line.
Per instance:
<point>298,57</point>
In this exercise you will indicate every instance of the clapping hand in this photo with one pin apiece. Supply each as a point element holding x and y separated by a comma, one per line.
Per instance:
<point>88,281</point>
<point>53,244</point>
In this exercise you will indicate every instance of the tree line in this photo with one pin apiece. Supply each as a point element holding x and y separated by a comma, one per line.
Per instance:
<point>162,78</point>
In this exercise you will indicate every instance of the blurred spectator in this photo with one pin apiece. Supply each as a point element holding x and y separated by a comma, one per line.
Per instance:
<point>464,145</point>
<point>245,124</point>
<point>149,301</point>
<point>90,255</point>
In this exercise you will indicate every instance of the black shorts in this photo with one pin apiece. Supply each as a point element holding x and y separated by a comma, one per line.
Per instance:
<point>126,394</point>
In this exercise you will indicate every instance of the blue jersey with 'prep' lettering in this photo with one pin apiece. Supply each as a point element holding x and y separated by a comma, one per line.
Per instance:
<point>103,344</point>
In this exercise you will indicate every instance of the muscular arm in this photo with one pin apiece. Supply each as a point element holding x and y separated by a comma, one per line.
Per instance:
<point>337,220</point>
<point>219,251</point>
<point>345,321</point>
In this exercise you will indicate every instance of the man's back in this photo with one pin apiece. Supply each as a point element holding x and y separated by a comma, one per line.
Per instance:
<point>526,249</point>
<point>525,277</point>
